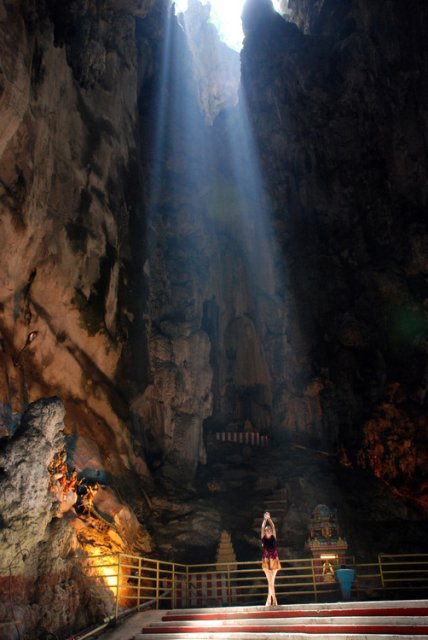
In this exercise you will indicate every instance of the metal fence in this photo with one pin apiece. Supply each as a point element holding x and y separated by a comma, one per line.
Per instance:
<point>400,573</point>
<point>125,582</point>
<point>122,583</point>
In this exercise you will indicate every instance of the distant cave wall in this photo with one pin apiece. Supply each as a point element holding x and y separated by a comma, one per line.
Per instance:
<point>225,346</point>
<point>206,272</point>
<point>309,15</point>
<point>341,122</point>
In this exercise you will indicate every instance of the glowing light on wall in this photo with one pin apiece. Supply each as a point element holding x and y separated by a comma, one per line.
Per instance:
<point>106,567</point>
<point>226,16</point>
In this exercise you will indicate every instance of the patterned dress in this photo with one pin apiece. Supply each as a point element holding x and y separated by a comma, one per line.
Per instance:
<point>270,559</point>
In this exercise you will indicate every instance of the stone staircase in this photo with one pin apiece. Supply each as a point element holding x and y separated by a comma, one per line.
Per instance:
<point>403,620</point>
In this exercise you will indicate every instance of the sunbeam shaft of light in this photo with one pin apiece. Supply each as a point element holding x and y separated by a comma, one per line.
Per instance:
<point>177,138</point>
<point>160,105</point>
<point>209,245</point>
<point>181,152</point>
<point>256,226</point>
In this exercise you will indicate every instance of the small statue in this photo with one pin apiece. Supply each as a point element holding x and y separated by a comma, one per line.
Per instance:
<point>72,482</point>
<point>328,571</point>
<point>88,498</point>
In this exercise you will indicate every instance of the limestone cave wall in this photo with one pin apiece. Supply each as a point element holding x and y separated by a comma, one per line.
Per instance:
<point>70,192</point>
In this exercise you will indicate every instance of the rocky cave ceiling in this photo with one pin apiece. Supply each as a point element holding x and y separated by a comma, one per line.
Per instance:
<point>144,307</point>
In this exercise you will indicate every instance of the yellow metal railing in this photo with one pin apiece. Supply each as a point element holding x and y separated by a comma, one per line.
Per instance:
<point>244,582</point>
<point>392,572</point>
<point>125,582</point>
<point>404,571</point>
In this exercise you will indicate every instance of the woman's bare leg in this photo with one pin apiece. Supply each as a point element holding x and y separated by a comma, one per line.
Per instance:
<point>273,576</point>
<point>268,578</point>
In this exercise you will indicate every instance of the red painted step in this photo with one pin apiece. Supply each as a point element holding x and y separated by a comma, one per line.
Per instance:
<point>309,629</point>
<point>297,613</point>
<point>379,620</point>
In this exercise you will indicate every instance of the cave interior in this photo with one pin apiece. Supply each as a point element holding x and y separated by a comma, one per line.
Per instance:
<point>213,285</point>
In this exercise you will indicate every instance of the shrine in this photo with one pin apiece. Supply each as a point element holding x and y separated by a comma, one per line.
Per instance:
<point>325,542</point>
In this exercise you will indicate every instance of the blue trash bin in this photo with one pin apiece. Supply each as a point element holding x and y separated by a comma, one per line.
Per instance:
<point>345,577</point>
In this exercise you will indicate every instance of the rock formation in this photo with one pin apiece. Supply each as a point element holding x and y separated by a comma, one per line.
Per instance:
<point>49,529</point>
<point>40,558</point>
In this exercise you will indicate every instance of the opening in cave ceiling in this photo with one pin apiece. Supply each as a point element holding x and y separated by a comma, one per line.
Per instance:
<point>225,15</point>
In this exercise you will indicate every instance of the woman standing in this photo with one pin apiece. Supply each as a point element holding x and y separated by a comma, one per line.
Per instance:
<point>270,560</point>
